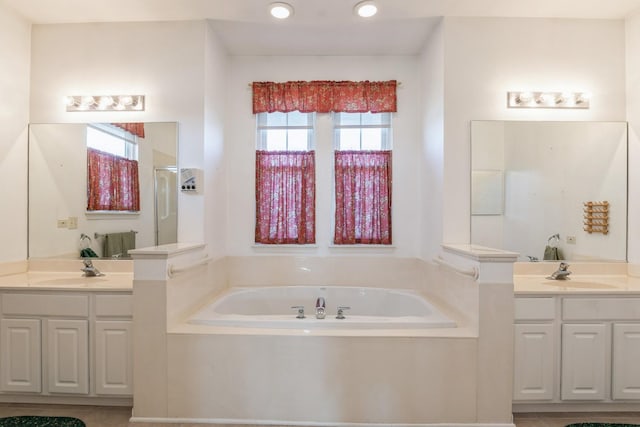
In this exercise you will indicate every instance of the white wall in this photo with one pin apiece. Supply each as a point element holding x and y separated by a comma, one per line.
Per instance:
<point>486,57</point>
<point>216,64</point>
<point>432,139</point>
<point>468,63</point>
<point>15,38</point>
<point>164,61</point>
<point>633,117</point>
<point>240,144</point>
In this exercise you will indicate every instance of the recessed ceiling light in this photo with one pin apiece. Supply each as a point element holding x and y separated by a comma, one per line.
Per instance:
<point>366,9</point>
<point>280,10</point>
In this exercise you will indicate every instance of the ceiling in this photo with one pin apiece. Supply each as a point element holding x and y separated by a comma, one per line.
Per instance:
<point>318,27</point>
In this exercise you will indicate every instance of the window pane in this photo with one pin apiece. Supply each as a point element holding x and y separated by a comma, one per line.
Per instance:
<point>371,139</point>
<point>276,140</point>
<point>380,119</point>
<point>104,142</point>
<point>276,119</point>
<point>297,118</point>
<point>298,140</point>
<point>349,139</point>
<point>348,119</point>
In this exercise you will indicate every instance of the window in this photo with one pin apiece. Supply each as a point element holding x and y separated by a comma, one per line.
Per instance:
<point>285,179</point>
<point>285,131</point>
<point>362,131</point>
<point>112,170</point>
<point>362,164</point>
<point>110,139</point>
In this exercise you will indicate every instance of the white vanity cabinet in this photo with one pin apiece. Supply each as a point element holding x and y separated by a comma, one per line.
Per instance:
<point>535,349</point>
<point>584,362</point>
<point>625,378</point>
<point>577,349</point>
<point>20,355</point>
<point>113,345</point>
<point>65,344</point>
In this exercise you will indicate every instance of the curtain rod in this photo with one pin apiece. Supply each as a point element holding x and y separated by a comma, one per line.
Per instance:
<point>397,84</point>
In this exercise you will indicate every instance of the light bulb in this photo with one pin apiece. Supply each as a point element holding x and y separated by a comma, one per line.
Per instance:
<point>87,101</point>
<point>105,102</point>
<point>280,10</point>
<point>366,9</point>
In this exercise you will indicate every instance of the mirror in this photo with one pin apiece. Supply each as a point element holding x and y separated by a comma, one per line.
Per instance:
<point>60,225</point>
<point>531,181</point>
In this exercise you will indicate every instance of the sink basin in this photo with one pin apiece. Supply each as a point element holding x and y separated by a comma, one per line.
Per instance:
<point>578,284</point>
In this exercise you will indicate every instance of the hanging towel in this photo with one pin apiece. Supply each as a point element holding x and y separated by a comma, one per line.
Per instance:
<point>88,253</point>
<point>119,244</point>
<point>128,242</point>
<point>552,253</point>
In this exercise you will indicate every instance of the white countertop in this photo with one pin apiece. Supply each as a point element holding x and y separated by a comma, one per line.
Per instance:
<point>66,281</point>
<point>587,284</point>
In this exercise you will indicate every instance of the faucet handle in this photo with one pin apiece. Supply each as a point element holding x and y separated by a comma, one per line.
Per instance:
<point>300,309</point>
<point>341,310</point>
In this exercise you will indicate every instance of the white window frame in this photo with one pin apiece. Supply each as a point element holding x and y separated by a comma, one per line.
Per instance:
<point>385,126</point>
<point>130,140</point>
<point>262,129</point>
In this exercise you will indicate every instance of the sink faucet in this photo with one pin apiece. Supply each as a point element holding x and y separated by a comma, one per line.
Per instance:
<point>320,308</point>
<point>89,269</point>
<point>561,273</point>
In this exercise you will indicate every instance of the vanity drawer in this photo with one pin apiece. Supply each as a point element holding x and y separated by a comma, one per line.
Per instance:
<point>45,305</point>
<point>534,309</point>
<point>601,309</point>
<point>114,305</point>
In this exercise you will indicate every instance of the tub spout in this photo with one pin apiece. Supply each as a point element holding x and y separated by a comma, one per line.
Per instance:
<point>320,308</point>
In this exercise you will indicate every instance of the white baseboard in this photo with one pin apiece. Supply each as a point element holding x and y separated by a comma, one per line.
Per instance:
<point>305,423</point>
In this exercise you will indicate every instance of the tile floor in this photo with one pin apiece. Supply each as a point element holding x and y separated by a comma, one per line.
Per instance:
<point>101,416</point>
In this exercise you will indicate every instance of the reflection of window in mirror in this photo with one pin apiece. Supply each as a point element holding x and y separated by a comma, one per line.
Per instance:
<point>112,169</point>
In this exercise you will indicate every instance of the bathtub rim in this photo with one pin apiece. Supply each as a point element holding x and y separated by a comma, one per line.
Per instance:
<point>463,328</point>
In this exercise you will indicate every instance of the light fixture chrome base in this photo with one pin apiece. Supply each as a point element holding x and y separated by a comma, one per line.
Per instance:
<point>548,100</point>
<point>105,103</point>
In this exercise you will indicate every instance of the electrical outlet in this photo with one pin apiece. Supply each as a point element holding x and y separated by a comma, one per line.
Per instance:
<point>63,223</point>
<point>571,240</point>
<point>73,222</point>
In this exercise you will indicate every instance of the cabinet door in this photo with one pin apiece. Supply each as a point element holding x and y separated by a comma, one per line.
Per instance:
<point>114,358</point>
<point>626,362</point>
<point>68,356</point>
<point>533,362</point>
<point>21,355</point>
<point>584,369</point>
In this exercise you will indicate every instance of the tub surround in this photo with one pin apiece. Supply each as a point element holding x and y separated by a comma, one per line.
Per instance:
<point>211,374</point>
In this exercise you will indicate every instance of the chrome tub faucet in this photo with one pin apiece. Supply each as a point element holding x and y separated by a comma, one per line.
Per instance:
<point>320,308</point>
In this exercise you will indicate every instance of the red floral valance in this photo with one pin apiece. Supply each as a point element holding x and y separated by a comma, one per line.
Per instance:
<point>136,129</point>
<point>325,96</point>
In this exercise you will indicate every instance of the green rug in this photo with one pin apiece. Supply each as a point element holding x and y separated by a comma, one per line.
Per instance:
<point>29,421</point>
<point>602,425</point>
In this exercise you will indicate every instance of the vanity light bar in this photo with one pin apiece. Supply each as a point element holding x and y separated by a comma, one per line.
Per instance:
<point>105,103</point>
<point>548,99</point>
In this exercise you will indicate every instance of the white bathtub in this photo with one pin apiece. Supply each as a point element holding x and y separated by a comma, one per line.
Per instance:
<point>370,308</point>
